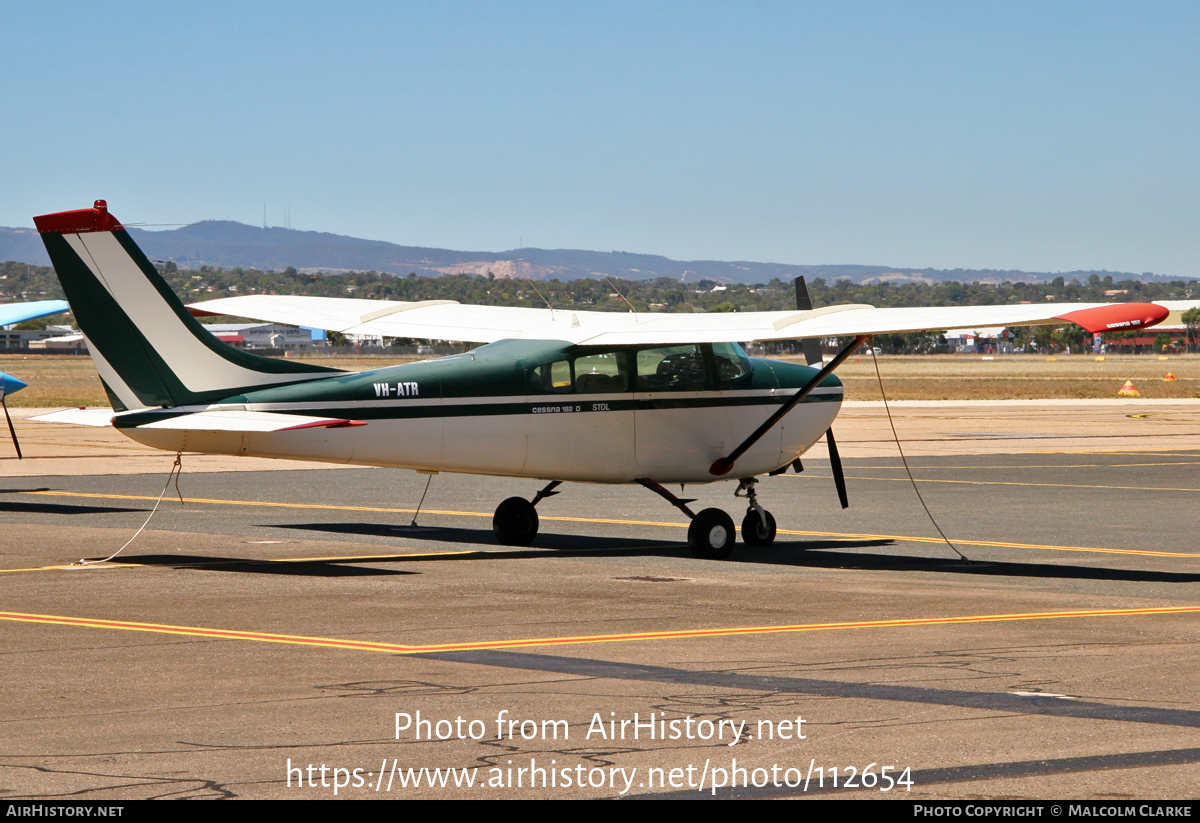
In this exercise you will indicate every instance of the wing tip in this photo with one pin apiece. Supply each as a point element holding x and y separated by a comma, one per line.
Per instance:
<point>1117,317</point>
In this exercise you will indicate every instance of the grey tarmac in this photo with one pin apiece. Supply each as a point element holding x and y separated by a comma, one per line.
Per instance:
<point>290,616</point>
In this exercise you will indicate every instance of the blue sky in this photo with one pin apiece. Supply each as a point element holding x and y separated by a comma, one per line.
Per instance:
<point>1041,136</point>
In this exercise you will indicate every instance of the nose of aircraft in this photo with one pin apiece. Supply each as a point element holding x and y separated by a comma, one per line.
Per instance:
<point>11,384</point>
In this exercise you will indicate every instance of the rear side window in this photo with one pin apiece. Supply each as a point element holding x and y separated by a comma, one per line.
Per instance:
<point>602,373</point>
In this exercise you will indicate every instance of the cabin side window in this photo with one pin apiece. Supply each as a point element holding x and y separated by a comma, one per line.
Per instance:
<point>553,378</point>
<point>672,368</point>
<point>602,373</point>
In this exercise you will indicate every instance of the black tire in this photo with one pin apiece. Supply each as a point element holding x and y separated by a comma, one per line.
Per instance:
<point>755,532</point>
<point>711,535</point>
<point>515,522</point>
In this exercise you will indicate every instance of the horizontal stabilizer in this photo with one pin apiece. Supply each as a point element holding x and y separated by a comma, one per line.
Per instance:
<point>230,421</point>
<point>78,417</point>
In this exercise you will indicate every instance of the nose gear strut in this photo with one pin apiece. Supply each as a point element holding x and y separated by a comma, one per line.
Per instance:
<point>758,526</point>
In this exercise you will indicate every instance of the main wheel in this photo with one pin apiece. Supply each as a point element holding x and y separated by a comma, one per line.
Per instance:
<point>711,535</point>
<point>756,532</point>
<point>515,522</point>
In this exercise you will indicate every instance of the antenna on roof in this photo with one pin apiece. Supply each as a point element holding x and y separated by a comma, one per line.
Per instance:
<point>539,294</point>
<point>623,297</point>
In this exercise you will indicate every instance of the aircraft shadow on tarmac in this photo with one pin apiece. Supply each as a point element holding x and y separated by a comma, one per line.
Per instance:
<point>300,568</point>
<point>576,544</point>
<point>829,554</point>
<point>61,508</point>
<point>55,508</point>
<point>800,553</point>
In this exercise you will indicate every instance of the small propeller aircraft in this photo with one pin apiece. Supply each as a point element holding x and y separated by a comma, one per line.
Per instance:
<point>596,397</point>
<point>10,314</point>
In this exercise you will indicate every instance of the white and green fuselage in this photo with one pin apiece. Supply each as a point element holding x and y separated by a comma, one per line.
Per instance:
<point>482,413</point>
<point>519,407</point>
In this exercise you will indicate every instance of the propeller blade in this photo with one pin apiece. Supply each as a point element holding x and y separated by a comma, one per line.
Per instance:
<point>810,346</point>
<point>803,301</point>
<point>11,430</point>
<point>835,464</point>
<point>812,356</point>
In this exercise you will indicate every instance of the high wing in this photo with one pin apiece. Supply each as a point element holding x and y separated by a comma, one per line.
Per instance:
<point>448,320</point>
<point>20,312</point>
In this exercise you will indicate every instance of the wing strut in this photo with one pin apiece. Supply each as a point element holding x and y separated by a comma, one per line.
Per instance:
<point>724,465</point>
<point>812,356</point>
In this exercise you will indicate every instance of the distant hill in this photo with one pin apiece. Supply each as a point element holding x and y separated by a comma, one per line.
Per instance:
<point>227,244</point>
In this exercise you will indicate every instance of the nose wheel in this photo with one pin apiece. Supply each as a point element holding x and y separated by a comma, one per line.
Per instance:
<point>711,534</point>
<point>758,526</point>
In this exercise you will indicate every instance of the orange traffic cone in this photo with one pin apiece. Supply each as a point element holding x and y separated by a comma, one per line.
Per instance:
<point>1170,378</point>
<point>1128,390</point>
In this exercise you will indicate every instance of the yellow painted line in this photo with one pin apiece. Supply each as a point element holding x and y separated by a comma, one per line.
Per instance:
<point>997,543</point>
<point>360,557</point>
<point>221,502</point>
<point>1110,452</point>
<point>1039,485</point>
<point>398,648</point>
<point>73,566</point>
<point>36,569</point>
<point>613,521</point>
<point>1045,466</point>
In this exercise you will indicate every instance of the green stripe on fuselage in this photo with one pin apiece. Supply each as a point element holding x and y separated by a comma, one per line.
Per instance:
<point>559,405</point>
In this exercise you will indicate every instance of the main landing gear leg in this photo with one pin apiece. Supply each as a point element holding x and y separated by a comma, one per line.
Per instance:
<point>515,522</point>
<point>711,534</point>
<point>758,526</point>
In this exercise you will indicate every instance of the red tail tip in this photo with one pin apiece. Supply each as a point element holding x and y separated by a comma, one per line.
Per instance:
<point>97,218</point>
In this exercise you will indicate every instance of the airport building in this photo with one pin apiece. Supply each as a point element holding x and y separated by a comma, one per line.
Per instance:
<point>996,339</point>
<point>63,339</point>
<point>264,335</point>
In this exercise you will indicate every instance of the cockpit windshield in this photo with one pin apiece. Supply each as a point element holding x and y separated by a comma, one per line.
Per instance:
<point>732,363</point>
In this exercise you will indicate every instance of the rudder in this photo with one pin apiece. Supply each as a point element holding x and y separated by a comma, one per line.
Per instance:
<point>147,347</point>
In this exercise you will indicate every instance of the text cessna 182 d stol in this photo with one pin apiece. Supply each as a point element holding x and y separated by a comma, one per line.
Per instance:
<point>597,397</point>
